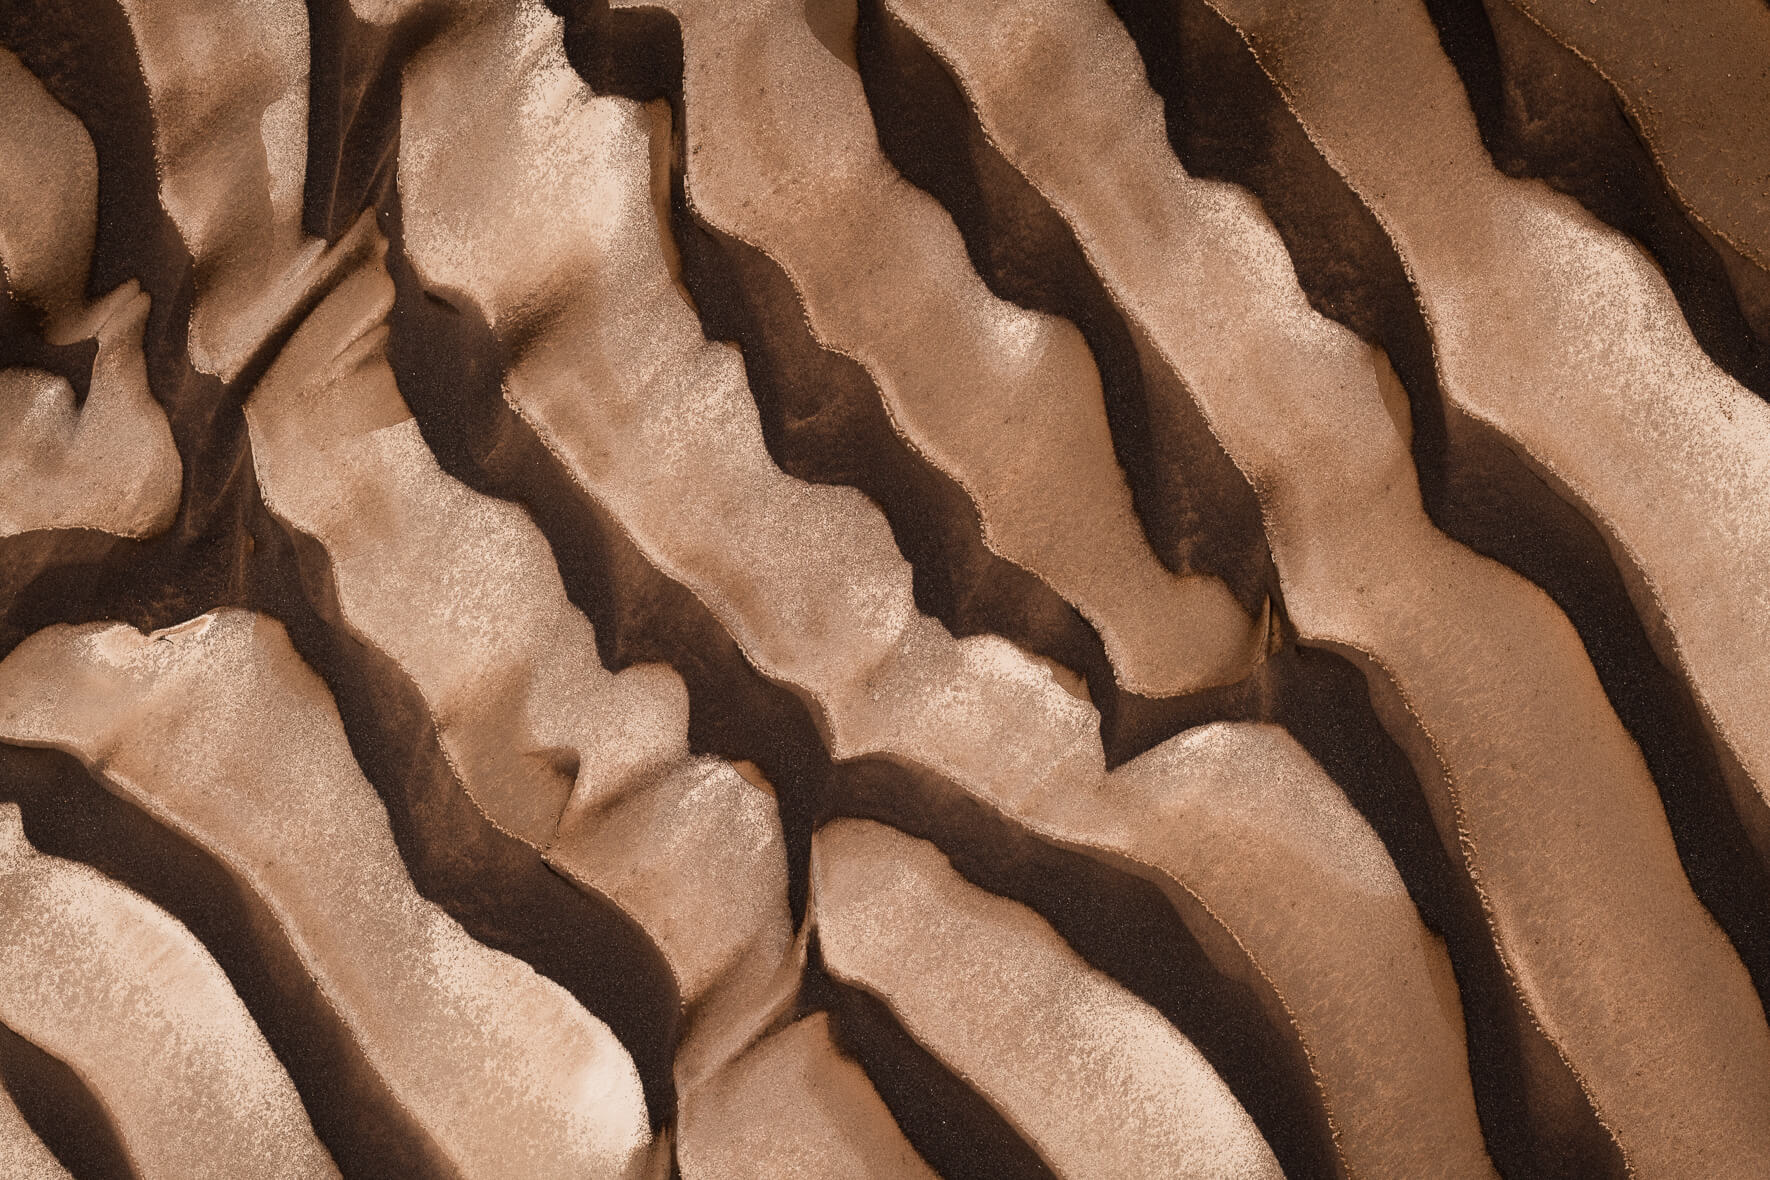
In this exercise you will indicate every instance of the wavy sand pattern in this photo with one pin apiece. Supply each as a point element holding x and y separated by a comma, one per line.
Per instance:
<point>884,589</point>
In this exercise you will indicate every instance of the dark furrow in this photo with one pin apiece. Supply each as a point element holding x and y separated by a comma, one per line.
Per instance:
<point>84,53</point>
<point>823,418</point>
<point>1546,114</point>
<point>352,114</point>
<point>1316,693</point>
<point>226,550</point>
<point>1330,712</point>
<point>500,891</point>
<point>62,1110</point>
<point>824,422</point>
<point>1210,523</point>
<point>1483,493</point>
<point>68,814</point>
<point>1226,121</point>
<point>499,888</point>
<point>1024,248</point>
<point>1124,926</point>
<point>449,370</point>
<point>948,1123</point>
